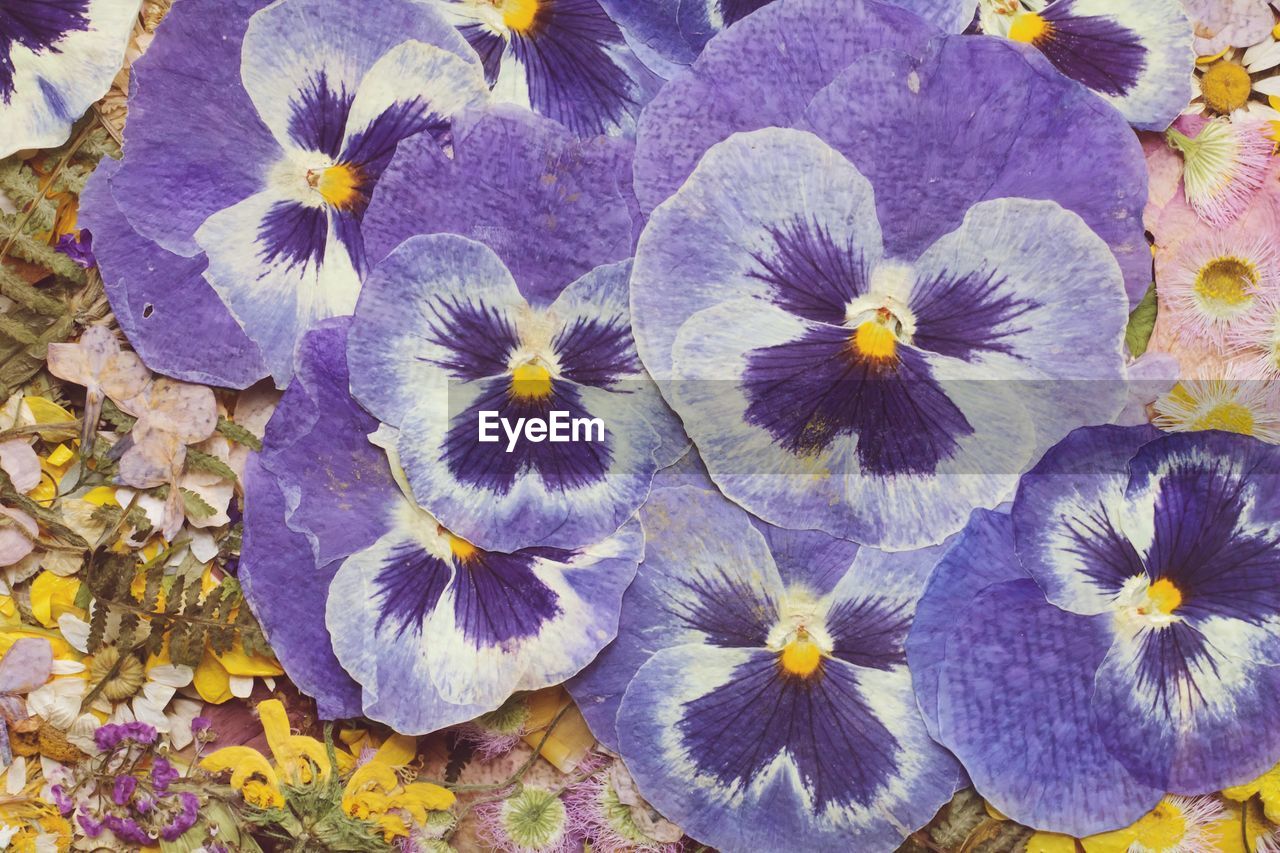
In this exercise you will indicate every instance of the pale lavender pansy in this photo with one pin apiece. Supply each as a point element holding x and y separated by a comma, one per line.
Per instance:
<point>936,123</point>
<point>56,58</point>
<point>830,382</point>
<point>1115,637</point>
<point>564,59</point>
<point>758,690</point>
<point>444,342</point>
<point>301,107</point>
<point>372,605</point>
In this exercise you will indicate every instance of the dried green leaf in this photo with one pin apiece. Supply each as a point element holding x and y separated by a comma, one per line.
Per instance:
<point>1142,322</point>
<point>232,431</point>
<point>199,461</point>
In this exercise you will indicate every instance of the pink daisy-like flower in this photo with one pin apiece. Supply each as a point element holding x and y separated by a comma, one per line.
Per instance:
<point>1254,342</point>
<point>496,733</point>
<point>1211,281</point>
<point>1245,406</point>
<point>1225,163</point>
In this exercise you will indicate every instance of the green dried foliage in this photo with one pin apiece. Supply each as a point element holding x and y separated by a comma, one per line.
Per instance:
<point>232,431</point>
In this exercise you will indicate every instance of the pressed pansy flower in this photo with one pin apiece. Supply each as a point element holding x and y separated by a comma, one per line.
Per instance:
<point>56,58</point>
<point>301,122</point>
<point>434,629</point>
<point>978,119</point>
<point>1136,56</point>
<point>164,306</point>
<point>564,59</point>
<point>1132,599</point>
<point>1225,164</point>
<point>1245,406</point>
<point>442,335</point>
<point>828,383</point>
<point>677,32</point>
<point>758,689</point>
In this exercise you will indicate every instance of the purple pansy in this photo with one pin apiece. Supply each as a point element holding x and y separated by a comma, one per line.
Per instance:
<point>936,123</point>
<point>300,107</point>
<point>677,31</point>
<point>444,341</point>
<point>564,59</point>
<point>56,58</point>
<point>1138,56</point>
<point>1115,637</point>
<point>432,629</point>
<point>829,383</point>
<point>758,690</point>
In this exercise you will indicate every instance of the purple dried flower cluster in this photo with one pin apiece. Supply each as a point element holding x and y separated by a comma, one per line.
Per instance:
<point>112,735</point>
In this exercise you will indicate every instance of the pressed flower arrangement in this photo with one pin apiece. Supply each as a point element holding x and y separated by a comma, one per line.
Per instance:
<point>624,425</point>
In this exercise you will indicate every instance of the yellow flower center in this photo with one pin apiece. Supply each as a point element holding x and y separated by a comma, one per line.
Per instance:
<point>1163,828</point>
<point>875,340</point>
<point>1226,283</point>
<point>801,657</point>
<point>1164,596</point>
<point>1226,86</point>
<point>340,185</point>
<point>462,550</point>
<point>258,793</point>
<point>519,15</point>
<point>1228,417</point>
<point>530,381</point>
<point>1029,28</point>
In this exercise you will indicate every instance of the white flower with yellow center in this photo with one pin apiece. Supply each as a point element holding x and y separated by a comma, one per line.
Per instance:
<point>1247,407</point>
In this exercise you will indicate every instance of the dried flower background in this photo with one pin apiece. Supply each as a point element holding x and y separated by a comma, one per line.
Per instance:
<point>254,597</point>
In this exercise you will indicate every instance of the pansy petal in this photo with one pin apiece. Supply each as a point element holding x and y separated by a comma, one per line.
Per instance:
<point>287,590</point>
<point>551,206</point>
<point>303,62</point>
<point>1181,715</point>
<point>439,307</point>
<point>412,88</point>
<point>980,556</point>
<point>1024,291</point>
<point>161,300</point>
<point>438,631</point>
<point>55,61</point>
<point>1223,487</point>
<point>774,215</point>
<point>1014,705</point>
<point>564,59</point>
<point>723,743</point>
<point>1137,56</point>
<point>166,191</point>
<point>26,665</point>
<point>694,542</point>
<point>933,166</point>
<point>337,484</point>
<point>761,73</point>
<point>1068,518</point>
<point>280,266</point>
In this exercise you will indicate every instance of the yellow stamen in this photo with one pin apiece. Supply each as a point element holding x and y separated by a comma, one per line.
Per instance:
<point>519,15</point>
<point>462,550</point>
<point>1226,86</point>
<point>875,340</point>
<point>1165,596</point>
<point>1226,282</point>
<point>800,657</point>
<point>530,381</point>
<point>1030,28</point>
<point>1228,417</point>
<point>341,185</point>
